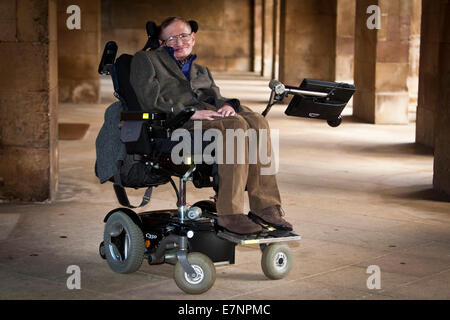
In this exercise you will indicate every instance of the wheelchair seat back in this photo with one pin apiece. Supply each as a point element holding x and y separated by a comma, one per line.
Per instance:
<point>146,135</point>
<point>122,69</point>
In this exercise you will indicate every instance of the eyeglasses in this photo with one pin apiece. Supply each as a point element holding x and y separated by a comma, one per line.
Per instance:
<point>184,37</point>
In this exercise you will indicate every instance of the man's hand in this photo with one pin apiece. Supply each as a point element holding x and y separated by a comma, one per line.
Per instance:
<point>206,115</point>
<point>227,110</point>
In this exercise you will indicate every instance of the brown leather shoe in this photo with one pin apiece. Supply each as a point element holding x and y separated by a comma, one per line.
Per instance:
<point>273,217</point>
<point>238,223</point>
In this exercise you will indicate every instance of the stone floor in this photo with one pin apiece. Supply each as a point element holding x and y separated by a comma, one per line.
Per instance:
<point>360,195</point>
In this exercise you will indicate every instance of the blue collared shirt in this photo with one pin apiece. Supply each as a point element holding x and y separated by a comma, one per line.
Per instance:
<point>186,68</point>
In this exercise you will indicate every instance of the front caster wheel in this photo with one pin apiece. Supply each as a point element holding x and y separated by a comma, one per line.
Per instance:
<point>276,261</point>
<point>335,123</point>
<point>205,274</point>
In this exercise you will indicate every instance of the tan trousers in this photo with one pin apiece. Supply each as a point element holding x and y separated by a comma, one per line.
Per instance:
<point>233,178</point>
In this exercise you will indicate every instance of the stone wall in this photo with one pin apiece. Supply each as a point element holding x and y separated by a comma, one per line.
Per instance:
<point>307,40</point>
<point>224,41</point>
<point>28,100</point>
<point>79,53</point>
<point>345,40</point>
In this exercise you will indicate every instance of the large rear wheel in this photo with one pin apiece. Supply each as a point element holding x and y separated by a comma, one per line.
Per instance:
<point>124,244</point>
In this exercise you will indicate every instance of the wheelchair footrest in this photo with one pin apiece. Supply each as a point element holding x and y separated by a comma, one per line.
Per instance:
<point>269,237</point>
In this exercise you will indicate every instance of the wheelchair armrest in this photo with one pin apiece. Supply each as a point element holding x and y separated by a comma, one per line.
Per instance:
<point>170,124</point>
<point>142,116</point>
<point>180,119</point>
<point>138,129</point>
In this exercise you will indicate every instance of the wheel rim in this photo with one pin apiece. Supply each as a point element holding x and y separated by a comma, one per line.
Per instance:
<point>200,275</point>
<point>119,242</point>
<point>280,261</point>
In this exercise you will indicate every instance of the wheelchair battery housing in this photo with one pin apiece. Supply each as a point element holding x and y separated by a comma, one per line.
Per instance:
<point>220,251</point>
<point>319,99</point>
<point>204,239</point>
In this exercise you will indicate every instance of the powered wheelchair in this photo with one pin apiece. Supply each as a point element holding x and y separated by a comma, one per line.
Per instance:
<point>187,237</point>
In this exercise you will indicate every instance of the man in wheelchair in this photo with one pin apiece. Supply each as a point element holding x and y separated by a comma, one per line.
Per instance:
<point>166,84</point>
<point>167,80</point>
<point>163,96</point>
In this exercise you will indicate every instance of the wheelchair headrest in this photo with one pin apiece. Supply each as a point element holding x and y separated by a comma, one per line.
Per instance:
<point>153,31</point>
<point>194,25</point>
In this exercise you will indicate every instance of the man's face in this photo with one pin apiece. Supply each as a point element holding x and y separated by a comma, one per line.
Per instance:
<point>182,48</point>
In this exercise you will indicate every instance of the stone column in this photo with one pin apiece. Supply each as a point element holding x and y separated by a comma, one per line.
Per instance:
<point>307,40</point>
<point>276,45</point>
<point>268,38</point>
<point>440,23</point>
<point>79,53</point>
<point>414,57</point>
<point>257,35</point>
<point>381,63</point>
<point>28,100</point>
<point>345,40</point>
<point>429,72</point>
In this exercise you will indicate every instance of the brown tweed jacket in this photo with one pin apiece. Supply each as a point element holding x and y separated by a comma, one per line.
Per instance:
<point>161,86</point>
